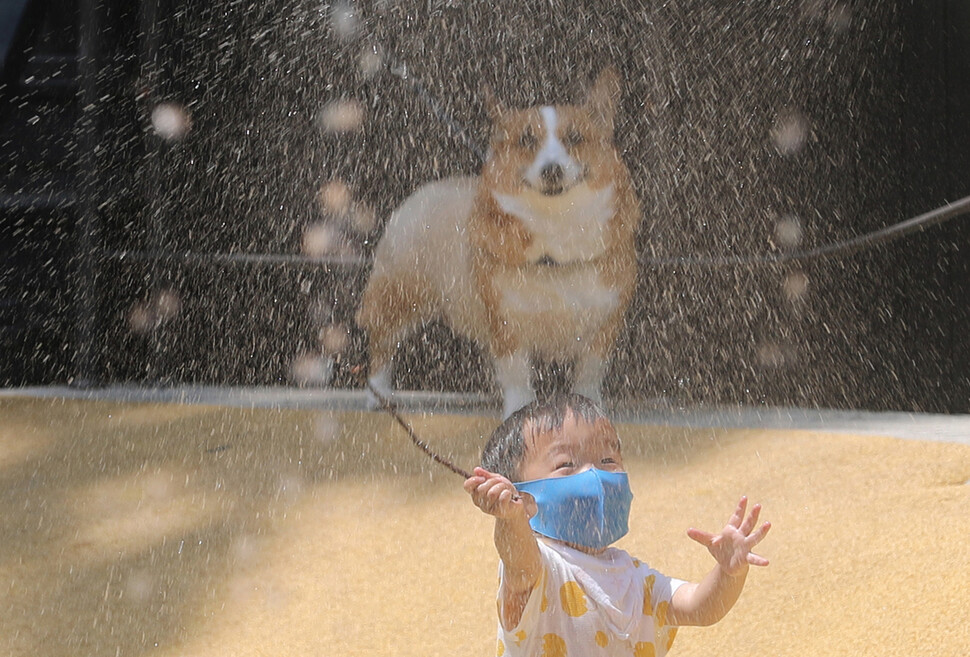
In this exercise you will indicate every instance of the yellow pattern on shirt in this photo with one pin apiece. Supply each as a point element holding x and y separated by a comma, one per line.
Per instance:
<point>553,645</point>
<point>670,637</point>
<point>573,599</point>
<point>644,649</point>
<point>648,595</point>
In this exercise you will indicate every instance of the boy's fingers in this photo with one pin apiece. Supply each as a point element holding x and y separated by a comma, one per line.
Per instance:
<point>497,499</point>
<point>493,488</point>
<point>487,485</point>
<point>472,483</point>
<point>702,537</point>
<point>507,495</point>
<point>756,537</point>
<point>738,516</point>
<point>756,559</point>
<point>490,492</point>
<point>751,520</point>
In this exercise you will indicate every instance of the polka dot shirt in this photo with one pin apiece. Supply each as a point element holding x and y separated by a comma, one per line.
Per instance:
<point>585,605</point>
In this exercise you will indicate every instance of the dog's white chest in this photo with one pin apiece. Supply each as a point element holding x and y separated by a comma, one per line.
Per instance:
<point>565,228</point>
<point>555,309</point>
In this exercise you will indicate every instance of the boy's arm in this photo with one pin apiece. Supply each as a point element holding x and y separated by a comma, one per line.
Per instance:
<point>706,602</point>
<point>514,540</point>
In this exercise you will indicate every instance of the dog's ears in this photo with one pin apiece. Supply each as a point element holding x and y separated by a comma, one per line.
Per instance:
<point>603,97</point>
<point>495,108</point>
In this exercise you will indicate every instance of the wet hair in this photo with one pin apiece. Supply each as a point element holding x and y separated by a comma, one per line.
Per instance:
<point>506,447</point>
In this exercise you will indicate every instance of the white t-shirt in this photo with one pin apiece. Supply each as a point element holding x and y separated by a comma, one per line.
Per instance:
<point>592,605</point>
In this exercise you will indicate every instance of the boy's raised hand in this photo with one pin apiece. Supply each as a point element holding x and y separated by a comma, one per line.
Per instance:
<point>732,546</point>
<point>496,495</point>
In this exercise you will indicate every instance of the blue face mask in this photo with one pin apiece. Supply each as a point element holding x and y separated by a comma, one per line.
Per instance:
<point>591,508</point>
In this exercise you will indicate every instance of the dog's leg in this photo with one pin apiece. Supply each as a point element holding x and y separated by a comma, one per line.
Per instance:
<point>390,310</point>
<point>381,382</point>
<point>513,373</point>
<point>590,370</point>
<point>382,350</point>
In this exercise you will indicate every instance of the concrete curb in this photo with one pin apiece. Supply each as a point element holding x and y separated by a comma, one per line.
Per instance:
<point>914,426</point>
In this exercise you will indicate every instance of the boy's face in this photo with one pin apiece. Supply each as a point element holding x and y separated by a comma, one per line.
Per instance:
<point>576,447</point>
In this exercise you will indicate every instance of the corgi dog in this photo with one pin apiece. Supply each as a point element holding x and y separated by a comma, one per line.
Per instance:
<point>533,257</point>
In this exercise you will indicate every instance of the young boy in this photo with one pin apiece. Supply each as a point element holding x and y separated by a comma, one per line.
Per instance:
<point>563,590</point>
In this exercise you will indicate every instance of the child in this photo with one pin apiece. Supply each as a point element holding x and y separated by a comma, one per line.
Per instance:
<point>563,591</point>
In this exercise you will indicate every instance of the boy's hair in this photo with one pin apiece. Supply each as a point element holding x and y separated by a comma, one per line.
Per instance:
<point>505,448</point>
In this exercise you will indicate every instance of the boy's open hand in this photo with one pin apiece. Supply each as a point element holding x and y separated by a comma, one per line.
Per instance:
<point>496,495</point>
<point>732,547</point>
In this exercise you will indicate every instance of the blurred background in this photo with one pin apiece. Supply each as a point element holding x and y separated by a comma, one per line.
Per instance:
<point>190,192</point>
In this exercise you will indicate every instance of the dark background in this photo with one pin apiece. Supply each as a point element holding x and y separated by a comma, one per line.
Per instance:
<point>99,214</point>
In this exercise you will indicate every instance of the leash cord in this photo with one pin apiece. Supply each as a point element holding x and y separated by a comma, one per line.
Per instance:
<point>844,247</point>
<point>400,70</point>
<point>883,235</point>
<point>387,406</point>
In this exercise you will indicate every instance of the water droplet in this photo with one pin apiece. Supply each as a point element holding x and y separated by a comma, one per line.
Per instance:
<point>371,61</point>
<point>363,218</point>
<point>171,121</point>
<point>790,132</point>
<point>139,586</point>
<point>335,197</point>
<point>326,428</point>
<point>788,231</point>
<point>840,17</point>
<point>795,285</point>
<point>344,20</point>
<point>320,240</point>
<point>771,355</point>
<point>141,319</point>
<point>311,370</point>
<point>167,305</point>
<point>341,116</point>
<point>334,339</point>
<point>244,550</point>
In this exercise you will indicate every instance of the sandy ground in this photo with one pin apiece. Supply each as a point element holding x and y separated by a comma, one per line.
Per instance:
<point>165,529</point>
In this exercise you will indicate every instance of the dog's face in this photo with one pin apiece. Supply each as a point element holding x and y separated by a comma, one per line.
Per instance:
<point>551,150</point>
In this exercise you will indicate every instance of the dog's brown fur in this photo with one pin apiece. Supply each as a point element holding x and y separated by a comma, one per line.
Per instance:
<point>472,236</point>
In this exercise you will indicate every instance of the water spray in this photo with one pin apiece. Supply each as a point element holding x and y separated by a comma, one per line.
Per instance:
<point>399,70</point>
<point>841,248</point>
<point>845,247</point>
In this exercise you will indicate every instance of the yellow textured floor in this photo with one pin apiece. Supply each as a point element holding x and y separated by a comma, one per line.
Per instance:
<point>131,529</point>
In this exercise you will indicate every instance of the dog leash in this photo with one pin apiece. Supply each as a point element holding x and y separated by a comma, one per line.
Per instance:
<point>391,410</point>
<point>389,407</point>
<point>844,247</point>
<point>400,70</point>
